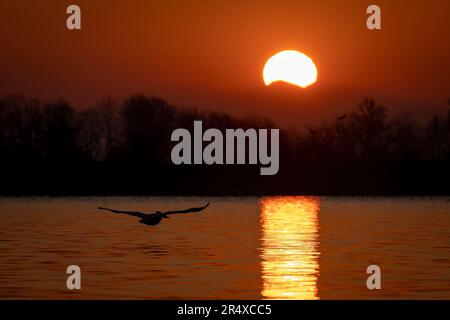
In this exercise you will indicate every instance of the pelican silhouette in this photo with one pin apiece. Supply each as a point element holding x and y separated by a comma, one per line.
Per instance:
<point>152,219</point>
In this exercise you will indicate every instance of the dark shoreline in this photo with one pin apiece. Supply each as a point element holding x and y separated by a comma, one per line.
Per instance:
<point>111,149</point>
<point>62,194</point>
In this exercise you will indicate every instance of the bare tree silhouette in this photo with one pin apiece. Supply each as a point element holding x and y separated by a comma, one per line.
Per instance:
<point>125,148</point>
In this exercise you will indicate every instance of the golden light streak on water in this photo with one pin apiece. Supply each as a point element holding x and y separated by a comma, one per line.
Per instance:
<point>289,255</point>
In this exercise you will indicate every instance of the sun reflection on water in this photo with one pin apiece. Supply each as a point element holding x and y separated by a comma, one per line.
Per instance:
<point>289,255</point>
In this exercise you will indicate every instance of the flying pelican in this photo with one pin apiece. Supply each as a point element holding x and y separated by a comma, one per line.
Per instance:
<point>152,219</point>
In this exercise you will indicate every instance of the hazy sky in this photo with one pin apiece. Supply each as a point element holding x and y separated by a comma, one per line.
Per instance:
<point>211,53</point>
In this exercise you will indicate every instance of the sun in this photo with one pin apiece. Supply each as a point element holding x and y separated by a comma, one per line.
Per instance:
<point>290,66</point>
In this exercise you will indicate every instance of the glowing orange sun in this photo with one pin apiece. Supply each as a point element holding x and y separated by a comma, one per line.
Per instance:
<point>292,67</point>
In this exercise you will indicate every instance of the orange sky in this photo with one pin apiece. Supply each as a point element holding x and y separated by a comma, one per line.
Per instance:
<point>211,53</point>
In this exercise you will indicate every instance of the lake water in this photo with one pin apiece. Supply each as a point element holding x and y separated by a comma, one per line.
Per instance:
<point>238,248</point>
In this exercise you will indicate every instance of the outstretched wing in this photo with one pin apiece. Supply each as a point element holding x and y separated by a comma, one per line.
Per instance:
<point>186,211</point>
<point>130,213</point>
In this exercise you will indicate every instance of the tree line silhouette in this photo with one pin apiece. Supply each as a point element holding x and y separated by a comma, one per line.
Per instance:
<point>111,148</point>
